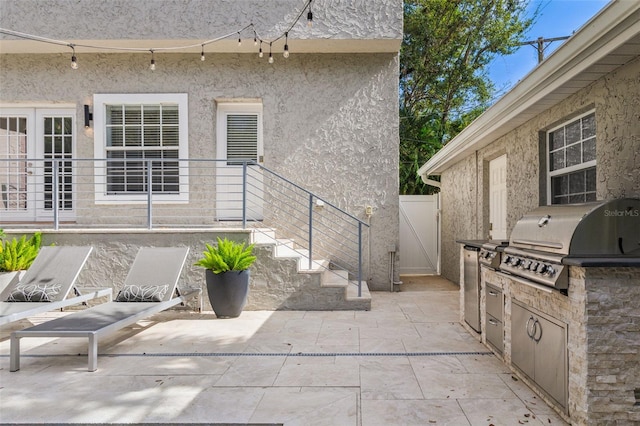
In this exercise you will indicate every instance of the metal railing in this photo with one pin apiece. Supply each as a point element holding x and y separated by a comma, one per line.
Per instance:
<point>65,193</point>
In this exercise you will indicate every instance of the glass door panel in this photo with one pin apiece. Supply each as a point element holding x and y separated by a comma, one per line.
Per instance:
<point>30,140</point>
<point>16,181</point>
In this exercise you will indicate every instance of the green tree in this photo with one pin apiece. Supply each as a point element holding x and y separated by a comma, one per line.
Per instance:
<point>443,71</point>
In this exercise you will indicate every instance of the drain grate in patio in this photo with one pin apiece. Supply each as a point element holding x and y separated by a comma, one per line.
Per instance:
<point>275,354</point>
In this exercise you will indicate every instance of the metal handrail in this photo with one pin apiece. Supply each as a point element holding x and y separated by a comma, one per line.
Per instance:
<point>290,207</point>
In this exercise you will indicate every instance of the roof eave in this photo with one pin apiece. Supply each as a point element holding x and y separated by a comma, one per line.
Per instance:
<point>614,25</point>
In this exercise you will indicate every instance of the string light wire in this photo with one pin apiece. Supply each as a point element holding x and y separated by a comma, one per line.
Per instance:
<point>257,38</point>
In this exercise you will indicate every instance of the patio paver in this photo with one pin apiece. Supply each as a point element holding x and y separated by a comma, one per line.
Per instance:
<point>407,361</point>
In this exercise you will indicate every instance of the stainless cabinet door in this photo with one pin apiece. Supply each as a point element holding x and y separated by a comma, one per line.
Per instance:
<point>472,289</point>
<point>495,333</point>
<point>522,346</point>
<point>551,359</point>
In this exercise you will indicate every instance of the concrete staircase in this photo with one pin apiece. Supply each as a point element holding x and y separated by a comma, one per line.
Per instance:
<point>282,280</point>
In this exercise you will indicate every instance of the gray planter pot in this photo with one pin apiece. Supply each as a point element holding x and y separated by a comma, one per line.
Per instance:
<point>228,292</point>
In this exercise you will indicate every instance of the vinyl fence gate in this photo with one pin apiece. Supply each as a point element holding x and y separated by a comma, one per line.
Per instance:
<point>419,235</point>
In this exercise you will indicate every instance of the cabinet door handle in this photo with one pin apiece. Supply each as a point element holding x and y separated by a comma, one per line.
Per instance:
<point>493,322</point>
<point>530,333</point>
<point>537,327</point>
<point>493,293</point>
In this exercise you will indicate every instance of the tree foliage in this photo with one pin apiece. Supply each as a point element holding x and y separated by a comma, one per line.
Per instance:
<point>443,71</point>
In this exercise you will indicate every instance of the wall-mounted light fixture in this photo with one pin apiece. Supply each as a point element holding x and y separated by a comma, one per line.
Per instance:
<point>88,117</point>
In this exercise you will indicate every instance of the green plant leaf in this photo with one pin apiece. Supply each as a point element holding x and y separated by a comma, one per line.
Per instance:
<point>19,254</point>
<point>228,255</point>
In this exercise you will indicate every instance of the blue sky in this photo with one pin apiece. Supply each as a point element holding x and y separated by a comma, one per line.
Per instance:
<point>557,18</point>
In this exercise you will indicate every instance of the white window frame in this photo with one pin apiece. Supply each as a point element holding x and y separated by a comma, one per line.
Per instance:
<point>100,101</point>
<point>565,170</point>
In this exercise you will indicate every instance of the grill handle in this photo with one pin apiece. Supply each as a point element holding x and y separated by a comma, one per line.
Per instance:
<point>547,244</point>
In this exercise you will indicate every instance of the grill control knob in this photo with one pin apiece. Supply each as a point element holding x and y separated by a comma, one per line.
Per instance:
<point>550,271</point>
<point>534,266</point>
<point>542,269</point>
<point>515,261</point>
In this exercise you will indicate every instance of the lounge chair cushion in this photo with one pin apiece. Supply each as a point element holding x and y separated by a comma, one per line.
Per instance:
<point>34,293</point>
<point>142,293</point>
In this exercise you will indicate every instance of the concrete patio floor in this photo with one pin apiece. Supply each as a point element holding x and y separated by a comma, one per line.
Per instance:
<point>408,361</point>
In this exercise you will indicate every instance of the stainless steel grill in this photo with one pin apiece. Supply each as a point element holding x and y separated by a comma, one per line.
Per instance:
<point>549,238</point>
<point>491,253</point>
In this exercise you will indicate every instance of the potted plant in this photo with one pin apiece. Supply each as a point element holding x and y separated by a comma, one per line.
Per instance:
<point>227,276</point>
<point>16,255</point>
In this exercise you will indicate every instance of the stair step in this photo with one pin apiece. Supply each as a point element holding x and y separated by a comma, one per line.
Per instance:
<point>335,278</point>
<point>263,236</point>
<point>334,290</point>
<point>352,291</point>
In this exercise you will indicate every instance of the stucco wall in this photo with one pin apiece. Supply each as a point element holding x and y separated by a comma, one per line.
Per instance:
<point>199,19</point>
<point>616,100</point>
<point>330,121</point>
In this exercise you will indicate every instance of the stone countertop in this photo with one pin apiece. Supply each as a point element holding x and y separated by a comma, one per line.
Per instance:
<point>472,243</point>
<point>591,262</point>
<point>479,243</point>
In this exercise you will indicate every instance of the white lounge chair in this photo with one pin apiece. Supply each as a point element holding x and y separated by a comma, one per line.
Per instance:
<point>47,284</point>
<point>151,284</point>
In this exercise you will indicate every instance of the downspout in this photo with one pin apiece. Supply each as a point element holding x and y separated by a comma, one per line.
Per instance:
<point>438,185</point>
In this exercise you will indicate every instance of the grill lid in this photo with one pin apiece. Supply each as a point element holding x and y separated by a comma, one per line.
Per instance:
<point>602,228</point>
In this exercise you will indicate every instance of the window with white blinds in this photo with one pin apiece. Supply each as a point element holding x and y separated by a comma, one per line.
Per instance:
<point>142,132</point>
<point>242,138</point>
<point>143,136</point>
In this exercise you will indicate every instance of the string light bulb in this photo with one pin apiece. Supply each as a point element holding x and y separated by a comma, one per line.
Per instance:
<point>152,66</point>
<point>286,45</point>
<point>270,55</point>
<point>260,53</point>
<point>255,39</point>
<point>309,16</point>
<point>74,60</point>
<point>202,54</point>
<point>239,40</point>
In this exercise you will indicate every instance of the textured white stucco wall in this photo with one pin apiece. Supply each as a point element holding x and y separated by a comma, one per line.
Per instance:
<point>200,19</point>
<point>616,100</point>
<point>330,120</point>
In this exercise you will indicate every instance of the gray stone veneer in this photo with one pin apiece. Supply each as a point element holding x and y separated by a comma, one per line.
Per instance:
<point>603,318</point>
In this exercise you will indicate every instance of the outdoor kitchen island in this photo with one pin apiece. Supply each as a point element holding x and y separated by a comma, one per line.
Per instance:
<point>574,335</point>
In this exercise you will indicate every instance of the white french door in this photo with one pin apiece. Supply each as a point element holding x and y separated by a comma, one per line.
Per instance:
<point>239,137</point>
<point>30,140</point>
